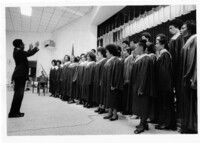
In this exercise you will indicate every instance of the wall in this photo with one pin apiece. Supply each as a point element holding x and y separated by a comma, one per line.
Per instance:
<point>80,32</point>
<point>43,57</point>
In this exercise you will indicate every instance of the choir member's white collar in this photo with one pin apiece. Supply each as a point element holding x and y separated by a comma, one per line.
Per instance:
<point>90,62</point>
<point>163,51</point>
<point>189,41</point>
<point>110,59</point>
<point>127,58</point>
<point>56,67</point>
<point>174,37</point>
<point>151,54</point>
<point>84,63</point>
<point>101,60</point>
<point>140,57</point>
<point>66,63</point>
<point>61,65</point>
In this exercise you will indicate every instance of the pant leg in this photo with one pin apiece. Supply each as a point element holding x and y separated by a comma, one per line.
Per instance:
<point>18,95</point>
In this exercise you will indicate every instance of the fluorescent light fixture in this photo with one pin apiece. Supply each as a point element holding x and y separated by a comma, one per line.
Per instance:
<point>26,11</point>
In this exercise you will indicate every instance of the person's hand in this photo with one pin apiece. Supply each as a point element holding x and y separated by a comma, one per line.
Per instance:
<point>37,44</point>
<point>30,46</point>
<point>193,85</point>
<point>112,88</point>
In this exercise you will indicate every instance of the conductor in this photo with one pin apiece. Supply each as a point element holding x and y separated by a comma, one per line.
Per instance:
<point>20,75</point>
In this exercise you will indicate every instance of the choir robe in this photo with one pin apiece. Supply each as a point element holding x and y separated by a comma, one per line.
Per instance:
<point>141,87</point>
<point>97,79</point>
<point>78,78</point>
<point>88,79</point>
<point>189,94</point>
<point>54,81</point>
<point>51,80</point>
<point>165,97</point>
<point>57,81</point>
<point>63,80</point>
<point>128,63</point>
<point>175,46</point>
<point>71,83</point>
<point>112,77</point>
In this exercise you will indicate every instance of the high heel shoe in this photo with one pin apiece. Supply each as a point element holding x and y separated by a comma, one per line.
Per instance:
<point>139,130</point>
<point>114,118</point>
<point>102,111</point>
<point>108,117</point>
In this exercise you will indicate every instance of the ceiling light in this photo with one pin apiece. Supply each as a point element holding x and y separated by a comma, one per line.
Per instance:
<point>26,11</point>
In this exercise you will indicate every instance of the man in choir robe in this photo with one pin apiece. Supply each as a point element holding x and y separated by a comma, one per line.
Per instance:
<point>126,76</point>
<point>20,75</point>
<point>189,79</point>
<point>88,79</point>
<point>164,98</point>
<point>141,87</point>
<point>112,82</point>
<point>101,55</point>
<point>175,45</point>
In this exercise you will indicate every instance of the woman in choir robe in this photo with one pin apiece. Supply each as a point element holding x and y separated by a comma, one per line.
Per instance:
<point>141,88</point>
<point>88,79</point>
<point>63,76</point>
<point>57,78</point>
<point>126,76</point>
<point>101,55</point>
<point>189,79</point>
<point>51,78</point>
<point>71,83</point>
<point>165,97</point>
<point>78,77</point>
<point>175,46</point>
<point>112,82</point>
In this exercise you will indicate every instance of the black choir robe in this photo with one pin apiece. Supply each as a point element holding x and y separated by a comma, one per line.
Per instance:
<point>78,78</point>
<point>97,79</point>
<point>165,98</point>
<point>189,92</point>
<point>88,79</point>
<point>112,77</point>
<point>141,87</point>
<point>128,63</point>
<point>51,80</point>
<point>57,81</point>
<point>175,46</point>
<point>71,83</point>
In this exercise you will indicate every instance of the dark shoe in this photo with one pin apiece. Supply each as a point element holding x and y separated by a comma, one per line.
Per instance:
<point>139,130</point>
<point>146,127</point>
<point>108,117</point>
<point>97,110</point>
<point>114,118</point>
<point>102,111</point>
<point>165,127</point>
<point>16,115</point>
<point>153,121</point>
<point>89,106</point>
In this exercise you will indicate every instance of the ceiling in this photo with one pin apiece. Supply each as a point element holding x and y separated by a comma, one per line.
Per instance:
<point>43,19</point>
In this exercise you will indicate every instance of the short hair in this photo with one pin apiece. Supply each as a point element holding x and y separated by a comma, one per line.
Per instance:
<point>112,49</point>
<point>53,61</point>
<point>129,50</point>
<point>76,60</point>
<point>92,56</point>
<point>147,35</point>
<point>93,50</point>
<point>58,61</point>
<point>163,40</point>
<point>17,42</point>
<point>126,42</point>
<point>68,57</point>
<point>102,50</point>
<point>82,55</point>
<point>142,43</point>
<point>119,50</point>
<point>151,48</point>
<point>191,26</point>
<point>176,23</point>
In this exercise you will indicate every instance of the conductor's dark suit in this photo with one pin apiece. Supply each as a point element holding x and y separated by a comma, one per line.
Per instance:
<point>19,76</point>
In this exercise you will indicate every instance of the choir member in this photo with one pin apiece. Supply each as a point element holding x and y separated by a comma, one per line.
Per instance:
<point>141,88</point>
<point>189,79</point>
<point>66,62</point>
<point>125,45</point>
<point>112,81</point>
<point>165,98</point>
<point>101,60</point>
<point>88,80</point>
<point>51,78</point>
<point>71,88</point>
<point>57,79</point>
<point>93,51</point>
<point>126,77</point>
<point>175,46</point>
<point>78,77</point>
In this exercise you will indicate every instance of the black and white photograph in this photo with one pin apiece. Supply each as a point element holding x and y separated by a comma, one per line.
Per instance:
<point>72,69</point>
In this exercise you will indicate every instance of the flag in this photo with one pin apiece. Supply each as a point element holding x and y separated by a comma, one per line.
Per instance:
<point>72,50</point>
